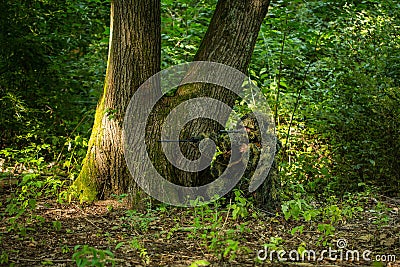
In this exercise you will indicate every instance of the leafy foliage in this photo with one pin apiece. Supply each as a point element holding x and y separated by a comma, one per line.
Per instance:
<point>331,72</point>
<point>90,256</point>
<point>51,69</point>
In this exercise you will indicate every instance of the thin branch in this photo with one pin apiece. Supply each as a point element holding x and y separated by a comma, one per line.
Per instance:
<point>36,260</point>
<point>280,73</point>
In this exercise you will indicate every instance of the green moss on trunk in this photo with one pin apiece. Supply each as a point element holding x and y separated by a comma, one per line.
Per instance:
<point>86,185</point>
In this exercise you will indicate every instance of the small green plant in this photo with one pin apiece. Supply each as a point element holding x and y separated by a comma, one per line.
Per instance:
<point>295,208</point>
<point>120,244</point>
<point>301,249</point>
<point>327,230</point>
<point>65,249</point>
<point>57,225</point>
<point>209,222</point>
<point>224,245</point>
<point>348,212</point>
<point>90,256</point>
<point>232,249</point>
<point>333,213</point>
<point>275,243</point>
<point>142,251</point>
<point>311,214</point>
<point>380,210</point>
<point>22,202</point>
<point>240,208</point>
<point>137,221</point>
<point>4,257</point>
<point>172,230</point>
<point>297,229</point>
<point>382,220</point>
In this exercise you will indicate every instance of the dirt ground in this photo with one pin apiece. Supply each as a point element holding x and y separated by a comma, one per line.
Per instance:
<point>166,237</point>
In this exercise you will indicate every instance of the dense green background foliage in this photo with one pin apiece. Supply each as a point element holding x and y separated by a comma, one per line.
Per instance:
<point>329,68</point>
<point>51,70</point>
<point>331,73</point>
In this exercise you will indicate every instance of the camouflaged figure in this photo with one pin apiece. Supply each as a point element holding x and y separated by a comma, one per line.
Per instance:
<point>266,196</point>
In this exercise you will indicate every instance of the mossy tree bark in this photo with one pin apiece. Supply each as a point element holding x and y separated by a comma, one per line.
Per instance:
<point>134,56</point>
<point>230,40</point>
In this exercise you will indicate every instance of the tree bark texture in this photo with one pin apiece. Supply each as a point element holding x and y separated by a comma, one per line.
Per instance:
<point>230,39</point>
<point>134,56</point>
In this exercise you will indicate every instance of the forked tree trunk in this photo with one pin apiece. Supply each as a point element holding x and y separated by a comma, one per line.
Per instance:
<point>134,56</point>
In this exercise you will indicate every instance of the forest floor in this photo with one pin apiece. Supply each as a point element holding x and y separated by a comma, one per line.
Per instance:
<point>107,232</point>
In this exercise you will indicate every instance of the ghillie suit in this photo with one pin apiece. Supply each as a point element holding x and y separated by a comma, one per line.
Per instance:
<point>266,196</point>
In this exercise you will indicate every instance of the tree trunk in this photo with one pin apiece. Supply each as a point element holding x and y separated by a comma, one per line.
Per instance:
<point>134,56</point>
<point>230,40</point>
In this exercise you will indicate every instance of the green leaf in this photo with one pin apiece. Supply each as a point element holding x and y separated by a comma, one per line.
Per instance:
<point>120,244</point>
<point>297,229</point>
<point>199,263</point>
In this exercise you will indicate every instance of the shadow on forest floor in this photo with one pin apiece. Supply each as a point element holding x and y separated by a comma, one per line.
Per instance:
<point>168,236</point>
